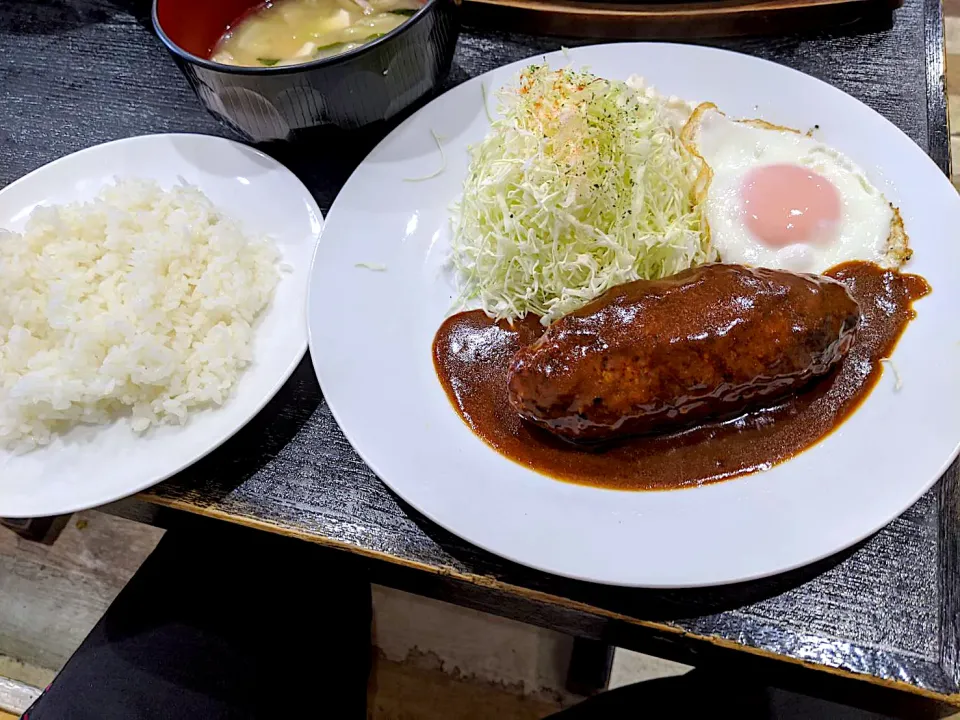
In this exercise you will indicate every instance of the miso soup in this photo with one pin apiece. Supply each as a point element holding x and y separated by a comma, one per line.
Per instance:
<point>287,32</point>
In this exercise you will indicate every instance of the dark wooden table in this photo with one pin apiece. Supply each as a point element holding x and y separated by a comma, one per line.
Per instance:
<point>74,73</point>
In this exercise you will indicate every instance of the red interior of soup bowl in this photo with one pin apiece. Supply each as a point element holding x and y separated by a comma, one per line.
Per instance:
<point>197,26</point>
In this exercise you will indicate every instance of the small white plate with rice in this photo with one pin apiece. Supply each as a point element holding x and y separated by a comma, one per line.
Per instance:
<point>154,293</point>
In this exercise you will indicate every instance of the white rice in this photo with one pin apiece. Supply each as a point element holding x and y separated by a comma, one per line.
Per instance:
<point>140,303</point>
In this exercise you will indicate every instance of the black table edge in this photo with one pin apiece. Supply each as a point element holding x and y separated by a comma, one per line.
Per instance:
<point>658,635</point>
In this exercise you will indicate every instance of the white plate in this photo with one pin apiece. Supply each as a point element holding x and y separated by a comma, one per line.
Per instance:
<point>89,467</point>
<point>372,331</point>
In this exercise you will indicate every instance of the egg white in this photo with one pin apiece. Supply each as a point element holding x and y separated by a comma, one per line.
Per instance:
<point>869,229</point>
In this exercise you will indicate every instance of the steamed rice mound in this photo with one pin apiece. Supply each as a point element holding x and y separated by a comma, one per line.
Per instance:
<point>140,303</point>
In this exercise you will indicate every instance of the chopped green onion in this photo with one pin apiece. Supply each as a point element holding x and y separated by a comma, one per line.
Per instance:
<point>269,62</point>
<point>336,45</point>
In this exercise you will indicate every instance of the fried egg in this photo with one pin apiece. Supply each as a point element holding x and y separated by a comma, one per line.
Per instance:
<point>775,197</point>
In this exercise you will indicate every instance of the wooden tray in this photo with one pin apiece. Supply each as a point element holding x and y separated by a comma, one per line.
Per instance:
<point>677,20</point>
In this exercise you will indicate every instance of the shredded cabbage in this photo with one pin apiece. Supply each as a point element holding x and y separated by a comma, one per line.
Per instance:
<point>580,185</point>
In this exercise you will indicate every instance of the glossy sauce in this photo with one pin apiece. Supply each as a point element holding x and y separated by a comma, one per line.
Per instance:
<point>472,355</point>
<point>657,356</point>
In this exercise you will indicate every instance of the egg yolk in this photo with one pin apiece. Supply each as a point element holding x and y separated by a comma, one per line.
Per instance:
<point>786,204</point>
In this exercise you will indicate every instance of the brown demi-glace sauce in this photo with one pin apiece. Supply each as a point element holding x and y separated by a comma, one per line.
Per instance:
<point>472,355</point>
